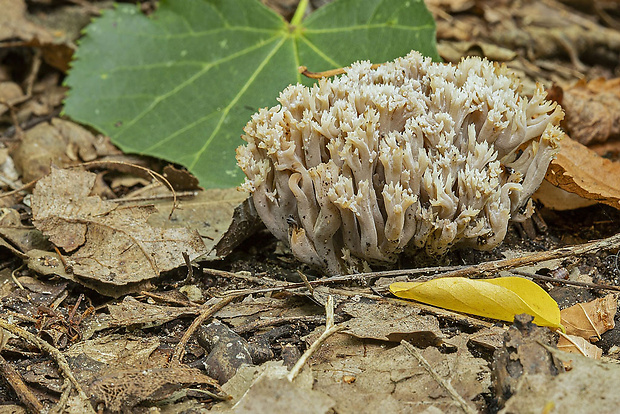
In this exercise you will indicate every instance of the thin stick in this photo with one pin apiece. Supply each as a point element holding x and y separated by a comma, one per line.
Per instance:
<point>327,73</point>
<point>330,329</point>
<point>491,268</point>
<point>266,323</point>
<point>444,384</point>
<point>49,349</point>
<point>566,282</point>
<point>326,281</point>
<point>16,382</point>
<point>179,351</point>
<point>148,171</point>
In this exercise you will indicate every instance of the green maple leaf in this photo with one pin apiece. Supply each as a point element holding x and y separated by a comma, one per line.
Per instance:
<point>181,84</point>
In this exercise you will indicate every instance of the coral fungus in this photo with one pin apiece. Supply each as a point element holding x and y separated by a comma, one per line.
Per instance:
<point>412,154</point>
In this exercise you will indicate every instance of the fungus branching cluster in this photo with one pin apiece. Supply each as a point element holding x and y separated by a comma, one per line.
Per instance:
<point>409,155</point>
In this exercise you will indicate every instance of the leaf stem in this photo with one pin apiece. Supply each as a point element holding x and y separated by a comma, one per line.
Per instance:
<point>299,12</point>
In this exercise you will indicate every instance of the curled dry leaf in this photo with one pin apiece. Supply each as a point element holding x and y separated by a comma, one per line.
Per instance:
<point>590,320</point>
<point>579,170</point>
<point>578,345</point>
<point>592,110</point>
<point>501,298</point>
<point>111,244</point>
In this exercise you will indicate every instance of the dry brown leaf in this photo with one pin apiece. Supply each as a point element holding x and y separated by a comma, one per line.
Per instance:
<point>131,312</point>
<point>587,388</point>
<point>9,92</point>
<point>590,320</point>
<point>123,389</point>
<point>15,27</point>
<point>111,244</point>
<point>60,143</point>
<point>390,322</point>
<point>210,212</point>
<point>579,170</point>
<point>578,345</point>
<point>592,110</point>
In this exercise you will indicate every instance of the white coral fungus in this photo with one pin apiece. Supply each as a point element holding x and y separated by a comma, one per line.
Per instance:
<point>412,154</point>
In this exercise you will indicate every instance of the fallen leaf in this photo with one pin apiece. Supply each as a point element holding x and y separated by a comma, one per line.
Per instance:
<point>131,312</point>
<point>590,320</point>
<point>108,243</point>
<point>555,198</point>
<point>60,143</point>
<point>578,345</point>
<point>50,263</point>
<point>123,389</point>
<point>209,212</point>
<point>522,354</point>
<point>588,387</point>
<point>592,110</point>
<point>579,170</point>
<point>391,380</point>
<point>17,28</point>
<point>265,389</point>
<point>391,322</point>
<point>9,91</point>
<point>501,298</point>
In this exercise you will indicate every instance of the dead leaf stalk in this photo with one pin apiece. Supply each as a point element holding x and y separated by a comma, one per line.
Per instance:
<point>443,383</point>
<point>204,315</point>
<point>330,329</point>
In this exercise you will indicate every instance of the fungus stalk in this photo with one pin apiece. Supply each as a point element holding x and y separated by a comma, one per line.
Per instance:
<point>407,155</point>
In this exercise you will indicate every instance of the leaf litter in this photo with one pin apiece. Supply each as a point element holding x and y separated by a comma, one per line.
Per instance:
<point>371,368</point>
<point>107,243</point>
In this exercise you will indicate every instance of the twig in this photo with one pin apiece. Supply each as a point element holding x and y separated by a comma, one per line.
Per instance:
<point>566,282</point>
<point>20,189</point>
<point>327,73</point>
<point>443,383</point>
<point>148,171</point>
<point>491,268</point>
<point>49,349</point>
<point>330,329</point>
<point>334,279</point>
<point>244,276</point>
<point>266,323</point>
<point>179,351</point>
<point>304,278</point>
<point>16,382</point>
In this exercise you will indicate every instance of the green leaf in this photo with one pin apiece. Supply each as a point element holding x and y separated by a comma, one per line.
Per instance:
<point>181,84</point>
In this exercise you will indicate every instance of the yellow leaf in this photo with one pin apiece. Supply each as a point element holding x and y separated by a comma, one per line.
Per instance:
<point>500,298</point>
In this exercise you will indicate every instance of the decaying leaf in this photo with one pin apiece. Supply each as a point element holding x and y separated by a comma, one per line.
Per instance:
<point>391,322</point>
<point>578,345</point>
<point>131,312</point>
<point>24,238</point>
<point>209,212</point>
<point>60,143</point>
<point>365,376</point>
<point>501,298</point>
<point>592,110</point>
<point>123,389</point>
<point>521,355</point>
<point>265,389</point>
<point>108,243</point>
<point>590,320</point>
<point>588,387</point>
<point>579,170</point>
<point>15,26</point>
